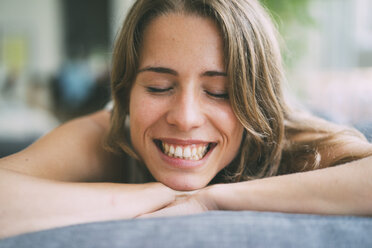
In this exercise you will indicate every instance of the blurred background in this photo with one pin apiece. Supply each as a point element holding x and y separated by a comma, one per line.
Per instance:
<point>55,61</point>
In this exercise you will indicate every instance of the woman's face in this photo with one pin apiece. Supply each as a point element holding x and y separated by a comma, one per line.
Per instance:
<point>181,121</point>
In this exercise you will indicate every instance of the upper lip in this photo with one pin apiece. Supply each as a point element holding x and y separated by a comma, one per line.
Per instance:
<point>183,142</point>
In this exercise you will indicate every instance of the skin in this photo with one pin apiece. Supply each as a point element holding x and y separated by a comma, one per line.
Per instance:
<point>179,96</point>
<point>341,190</point>
<point>66,177</point>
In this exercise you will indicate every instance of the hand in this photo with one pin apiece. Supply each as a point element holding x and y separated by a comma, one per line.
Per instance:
<point>186,203</point>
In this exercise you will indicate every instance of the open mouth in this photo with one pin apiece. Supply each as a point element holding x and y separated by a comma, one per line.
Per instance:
<point>187,152</point>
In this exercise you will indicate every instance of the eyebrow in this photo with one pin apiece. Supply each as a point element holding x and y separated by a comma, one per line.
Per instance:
<point>170,71</point>
<point>214,74</point>
<point>159,70</point>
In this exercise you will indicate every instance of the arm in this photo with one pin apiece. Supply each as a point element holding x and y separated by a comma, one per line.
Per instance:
<point>46,186</point>
<point>31,204</point>
<point>340,190</point>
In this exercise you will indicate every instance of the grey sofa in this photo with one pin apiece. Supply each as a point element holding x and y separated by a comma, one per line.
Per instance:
<point>211,229</point>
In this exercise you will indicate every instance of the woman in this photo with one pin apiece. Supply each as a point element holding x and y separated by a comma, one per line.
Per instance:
<point>198,84</point>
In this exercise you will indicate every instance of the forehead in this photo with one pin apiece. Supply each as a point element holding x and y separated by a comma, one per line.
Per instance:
<point>182,36</point>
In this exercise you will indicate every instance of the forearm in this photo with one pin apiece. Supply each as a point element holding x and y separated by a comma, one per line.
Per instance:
<point>30,204</point>
<point>345,189</point>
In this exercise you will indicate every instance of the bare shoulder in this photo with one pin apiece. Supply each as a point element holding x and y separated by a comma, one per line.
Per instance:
<point>101,119</point>
<point>71,152</point>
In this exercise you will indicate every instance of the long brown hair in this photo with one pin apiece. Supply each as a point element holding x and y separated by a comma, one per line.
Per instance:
<point>276,139</point>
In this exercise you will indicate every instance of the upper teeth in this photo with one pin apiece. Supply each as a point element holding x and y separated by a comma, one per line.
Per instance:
<point>190,152</point>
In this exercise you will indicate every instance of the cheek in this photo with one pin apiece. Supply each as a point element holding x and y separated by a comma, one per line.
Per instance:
<point>144,112</point>
<point>235,134</point>
<point>226,121</point>
<point>230,128</point>
<point>140,112</point>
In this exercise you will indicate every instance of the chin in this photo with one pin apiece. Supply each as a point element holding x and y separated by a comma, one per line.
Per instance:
<point>184,184</point>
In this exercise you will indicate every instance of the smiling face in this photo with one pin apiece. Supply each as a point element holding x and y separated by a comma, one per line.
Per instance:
<point>181,122</point>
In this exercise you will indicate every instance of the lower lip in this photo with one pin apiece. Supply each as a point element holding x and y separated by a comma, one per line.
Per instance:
<point>183,163</point>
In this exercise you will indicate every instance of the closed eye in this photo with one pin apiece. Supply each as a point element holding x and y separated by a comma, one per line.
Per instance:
<point>224,96</point>
<point>158,90</point>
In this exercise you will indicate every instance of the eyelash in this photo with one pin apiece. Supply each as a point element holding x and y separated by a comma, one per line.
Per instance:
<point>158,90</point>
<point>223,96</point>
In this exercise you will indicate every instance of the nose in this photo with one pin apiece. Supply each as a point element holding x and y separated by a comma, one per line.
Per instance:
<point>186,111</point>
